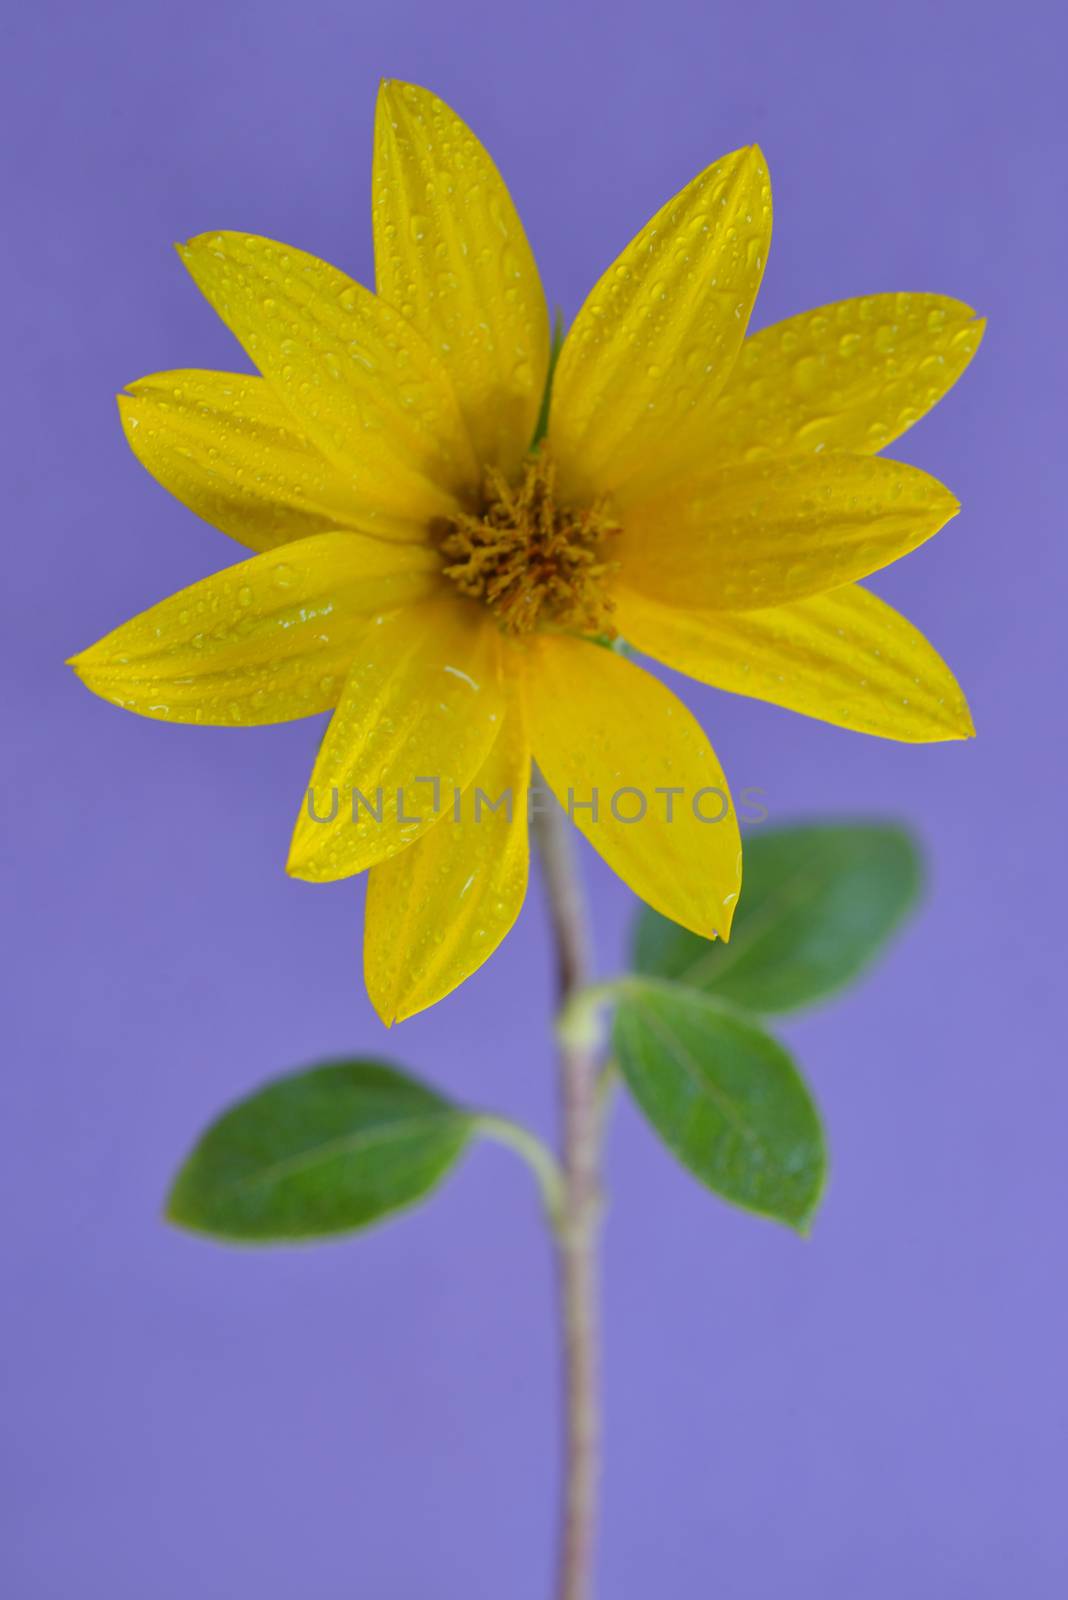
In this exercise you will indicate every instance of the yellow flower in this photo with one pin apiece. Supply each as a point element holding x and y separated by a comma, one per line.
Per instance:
<point>441,583</point>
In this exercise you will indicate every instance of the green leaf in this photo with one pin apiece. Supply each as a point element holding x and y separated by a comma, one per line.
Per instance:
<point>541,427</point>
<point>318,1153</point>
<point>818,902</point>
<point>725,1097</point>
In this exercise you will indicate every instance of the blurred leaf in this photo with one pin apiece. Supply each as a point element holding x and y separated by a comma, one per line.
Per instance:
<point>320,1152</point>
<point>725,1097</point>
<point>817,904</point>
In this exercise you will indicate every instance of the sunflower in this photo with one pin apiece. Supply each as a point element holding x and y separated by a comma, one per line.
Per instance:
<point>456,522</point>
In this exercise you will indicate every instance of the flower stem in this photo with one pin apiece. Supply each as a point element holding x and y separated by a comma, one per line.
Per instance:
<point>579,1215</point>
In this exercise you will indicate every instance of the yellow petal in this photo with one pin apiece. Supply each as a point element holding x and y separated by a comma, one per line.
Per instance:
<point>844,657</point>
<point>850,376</point>
<point>657,338</point>
<point>266,640</point>
<point>417,717</point>
<point>450,252</point>
<point>607,734</point>
<point>439,909</point>
<point>359,380</point>
<point>226,446</point>
<point>761,533</point>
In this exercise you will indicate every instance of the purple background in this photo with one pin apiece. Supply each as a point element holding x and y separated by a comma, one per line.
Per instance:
<point>880,1411</point>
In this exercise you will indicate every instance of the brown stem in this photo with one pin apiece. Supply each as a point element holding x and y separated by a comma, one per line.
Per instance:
<point>579,1220</point>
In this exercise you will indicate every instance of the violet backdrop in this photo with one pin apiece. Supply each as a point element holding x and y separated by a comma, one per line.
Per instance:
<point>880,1410</point>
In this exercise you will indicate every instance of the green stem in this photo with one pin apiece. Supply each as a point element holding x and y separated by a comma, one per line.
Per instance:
<point>538,1157</point>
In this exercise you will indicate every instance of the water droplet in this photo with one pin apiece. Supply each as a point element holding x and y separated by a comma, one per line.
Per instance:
<point>813,433</point>
<point>806,374</point>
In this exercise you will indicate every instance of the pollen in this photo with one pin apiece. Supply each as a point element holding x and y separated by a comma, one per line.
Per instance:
<point>534,562</point>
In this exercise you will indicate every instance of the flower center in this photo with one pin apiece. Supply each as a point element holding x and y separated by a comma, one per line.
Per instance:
<point>534,562</point>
